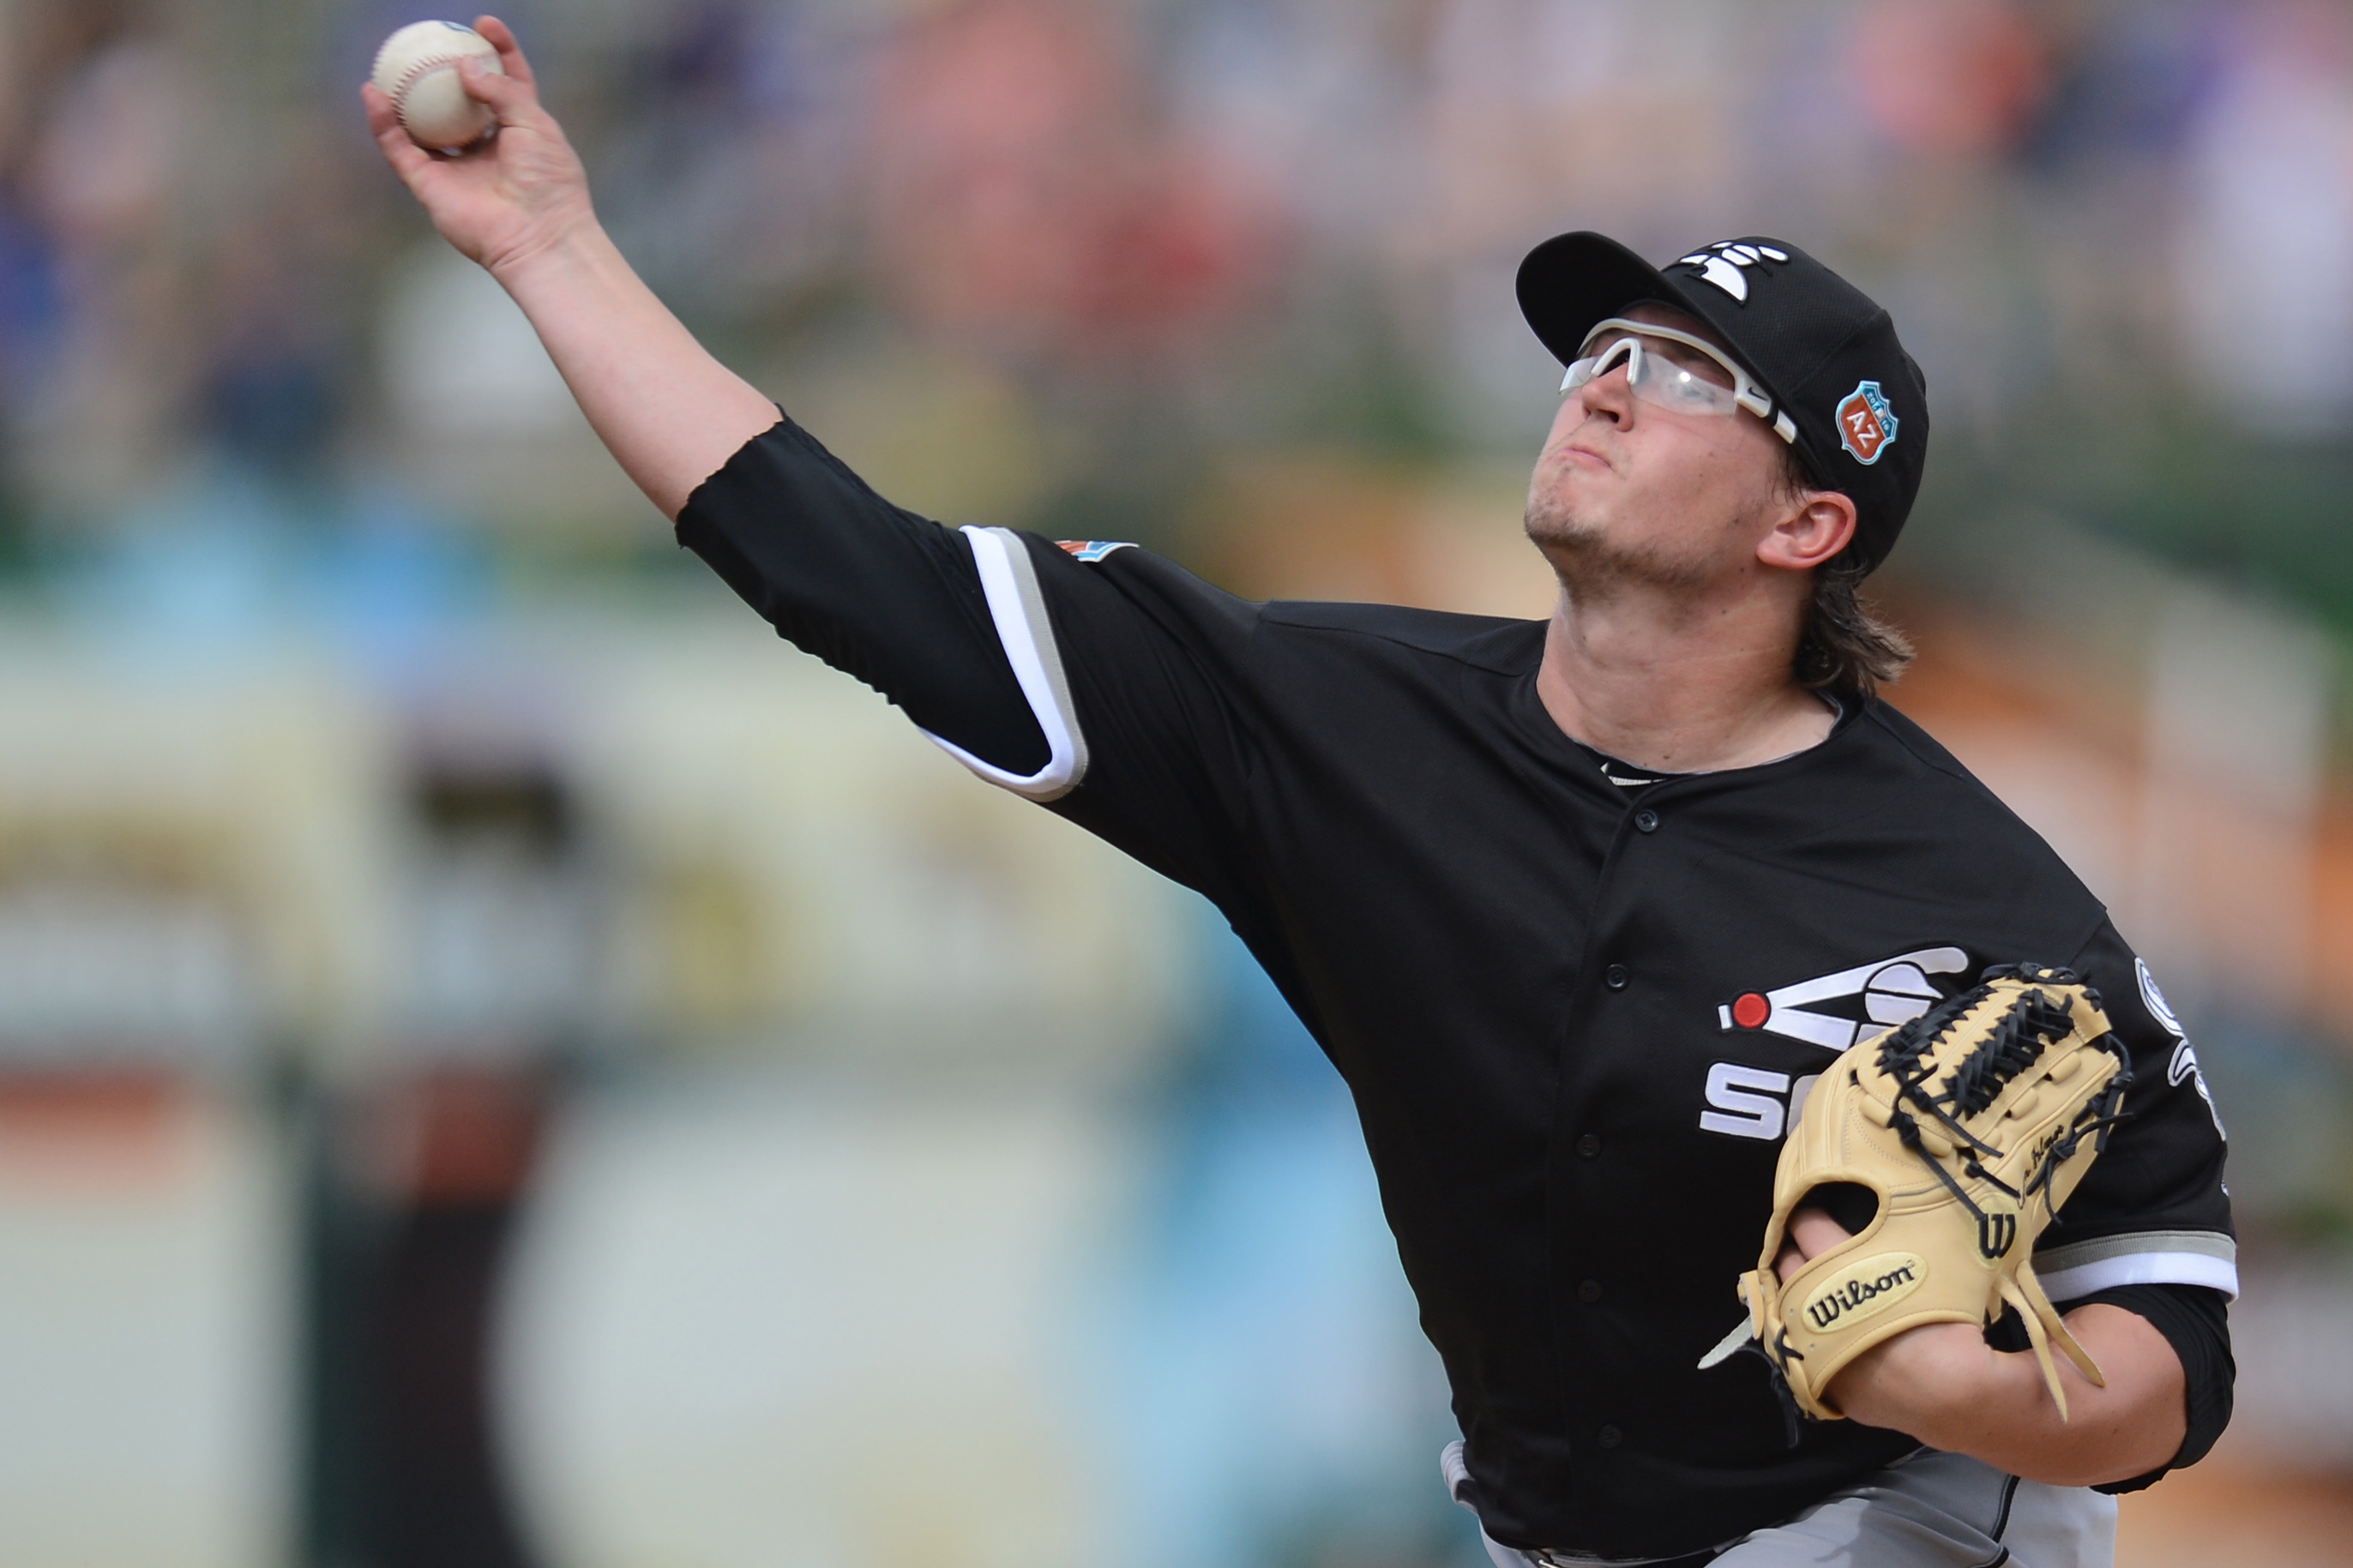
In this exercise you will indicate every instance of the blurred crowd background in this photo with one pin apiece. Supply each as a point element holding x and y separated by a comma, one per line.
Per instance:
<point>502,1063</point>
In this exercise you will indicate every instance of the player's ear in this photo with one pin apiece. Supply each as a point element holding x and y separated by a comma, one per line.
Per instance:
<point>1813,526</point>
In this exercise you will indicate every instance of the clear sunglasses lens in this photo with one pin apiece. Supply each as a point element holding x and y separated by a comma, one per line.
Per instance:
<point>1670,386</point>
<point>1655,378</point>
<point>1592,366</point>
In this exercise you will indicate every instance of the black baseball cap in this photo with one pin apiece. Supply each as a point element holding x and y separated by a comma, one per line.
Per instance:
<point>1819,347</point>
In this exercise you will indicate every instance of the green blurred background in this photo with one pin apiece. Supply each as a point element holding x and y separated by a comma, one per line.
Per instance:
<point>502,1062</point>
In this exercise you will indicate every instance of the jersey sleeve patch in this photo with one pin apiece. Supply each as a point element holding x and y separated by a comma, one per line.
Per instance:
<point>2143,1257</point>
<point>1008,580</point>
<point>1092,550</point>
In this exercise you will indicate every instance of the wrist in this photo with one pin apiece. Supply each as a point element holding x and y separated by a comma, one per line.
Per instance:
<point>575,246</point>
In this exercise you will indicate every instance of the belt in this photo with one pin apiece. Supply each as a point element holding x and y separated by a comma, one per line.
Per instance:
<point>1457,1471</point>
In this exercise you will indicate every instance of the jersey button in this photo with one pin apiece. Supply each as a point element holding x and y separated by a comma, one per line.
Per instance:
<point>1609,1437</point>
<point>1589,1291</point>
<point>1589,1146</point>
<point>1647,820</point>
<point>1615,977</point>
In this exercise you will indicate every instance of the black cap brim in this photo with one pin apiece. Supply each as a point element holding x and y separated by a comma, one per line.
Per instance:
<point>1573,280</point>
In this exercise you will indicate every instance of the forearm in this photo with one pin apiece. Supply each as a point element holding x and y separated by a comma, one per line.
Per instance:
<point>1946,1386</point>
<point>518,204</point>
<point>671,414</point>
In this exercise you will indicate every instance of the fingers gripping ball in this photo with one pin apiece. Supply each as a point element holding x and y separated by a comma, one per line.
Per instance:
<point>1971,1125</point>
<point>417,70</point>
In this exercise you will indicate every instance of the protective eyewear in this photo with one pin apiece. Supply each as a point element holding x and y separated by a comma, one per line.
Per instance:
<point>1668,383</point>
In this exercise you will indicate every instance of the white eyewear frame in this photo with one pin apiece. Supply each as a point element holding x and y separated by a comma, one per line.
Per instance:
<point>1657,380</point>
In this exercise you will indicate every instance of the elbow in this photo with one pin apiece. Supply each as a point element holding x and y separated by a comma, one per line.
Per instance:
<point>2095,1469</point>
<point>2106,1442</point>
<point>2148,1446</point>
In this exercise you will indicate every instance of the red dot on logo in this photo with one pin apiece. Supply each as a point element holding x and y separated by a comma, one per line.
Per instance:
<point>1751,1010</point>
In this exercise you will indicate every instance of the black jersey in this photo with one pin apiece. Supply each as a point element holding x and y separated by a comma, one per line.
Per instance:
<point>1575,1015</point>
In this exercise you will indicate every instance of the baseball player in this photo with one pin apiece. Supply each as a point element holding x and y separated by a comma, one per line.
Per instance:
<point>1582,908</point>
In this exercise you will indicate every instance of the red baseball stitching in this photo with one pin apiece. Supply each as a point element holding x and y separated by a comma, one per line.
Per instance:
<point>424,68</point>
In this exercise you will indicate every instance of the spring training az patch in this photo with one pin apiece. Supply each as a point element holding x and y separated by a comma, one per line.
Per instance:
<point>1866,424</point>
<point>1092,550</point>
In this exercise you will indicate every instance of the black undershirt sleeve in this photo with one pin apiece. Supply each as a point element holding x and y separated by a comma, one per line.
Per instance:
<point>2195,1323</point>
<point>871,588</point>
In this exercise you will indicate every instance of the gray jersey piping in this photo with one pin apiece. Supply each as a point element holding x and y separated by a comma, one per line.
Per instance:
<point>2141,1257</point>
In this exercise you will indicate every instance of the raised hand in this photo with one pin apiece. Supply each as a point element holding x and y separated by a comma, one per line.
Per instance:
<point>518,202</point>
<point>508,197</point>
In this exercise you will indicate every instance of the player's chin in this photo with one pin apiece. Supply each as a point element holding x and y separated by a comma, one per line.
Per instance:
<point>1552,521</point>
<point>1578,540</point>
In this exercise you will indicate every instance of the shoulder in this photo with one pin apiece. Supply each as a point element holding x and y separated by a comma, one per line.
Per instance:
<point>1487,642</point>
<point>1090,583</point>
<point>1889,727</point>
<point>1883,793</point>
<point>1897,747</point>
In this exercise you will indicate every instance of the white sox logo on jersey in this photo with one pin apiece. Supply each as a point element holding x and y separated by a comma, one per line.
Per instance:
<point>2184,1062</point>
<point>1893,991</point>
<point>1746,1102</point>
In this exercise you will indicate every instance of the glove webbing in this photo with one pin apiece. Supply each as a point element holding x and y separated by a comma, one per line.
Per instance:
<point>2013,1045</point>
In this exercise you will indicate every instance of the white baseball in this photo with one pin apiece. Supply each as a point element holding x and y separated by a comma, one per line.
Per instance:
<point>417,70</point>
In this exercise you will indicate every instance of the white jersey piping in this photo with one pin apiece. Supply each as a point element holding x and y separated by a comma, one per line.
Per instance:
<point>1008,580</point>
<point>2150,1257</point>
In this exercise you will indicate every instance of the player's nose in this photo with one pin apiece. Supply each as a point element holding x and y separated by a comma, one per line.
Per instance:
<point>1609,395</point>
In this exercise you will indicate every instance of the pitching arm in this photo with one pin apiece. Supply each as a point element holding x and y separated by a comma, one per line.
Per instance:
<point>669,413</point>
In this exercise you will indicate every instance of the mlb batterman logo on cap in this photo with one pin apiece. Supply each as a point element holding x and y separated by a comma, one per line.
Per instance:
<point>1844,393</point>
